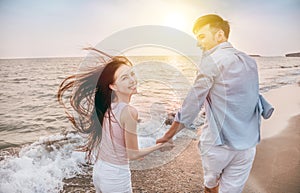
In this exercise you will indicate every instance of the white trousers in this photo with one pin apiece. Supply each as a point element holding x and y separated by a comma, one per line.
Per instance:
<point>111,178</point>
<point>227,168</point>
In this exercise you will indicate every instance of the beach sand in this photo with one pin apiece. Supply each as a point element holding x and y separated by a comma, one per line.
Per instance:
<point>183,174</point>
<point>276,167</point>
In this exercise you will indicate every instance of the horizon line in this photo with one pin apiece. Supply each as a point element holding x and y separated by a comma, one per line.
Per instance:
<point>52,57</point>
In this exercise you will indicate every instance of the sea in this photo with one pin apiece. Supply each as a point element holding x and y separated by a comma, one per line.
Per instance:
<point>37,141</point>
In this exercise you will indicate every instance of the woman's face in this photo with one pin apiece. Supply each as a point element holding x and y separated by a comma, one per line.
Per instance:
<point>125,81</point>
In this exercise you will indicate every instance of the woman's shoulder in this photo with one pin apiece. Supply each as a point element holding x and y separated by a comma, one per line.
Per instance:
<point>129,112</point>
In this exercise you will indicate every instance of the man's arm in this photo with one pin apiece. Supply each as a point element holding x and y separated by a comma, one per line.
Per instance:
<point>175,128</point>
<point>190,107</point>
<point>194,100</point>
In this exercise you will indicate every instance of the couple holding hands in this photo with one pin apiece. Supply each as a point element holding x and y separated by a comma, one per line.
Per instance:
<point>226,84</point>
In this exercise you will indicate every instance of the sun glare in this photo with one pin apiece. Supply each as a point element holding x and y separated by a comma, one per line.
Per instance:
<point>175,20</point>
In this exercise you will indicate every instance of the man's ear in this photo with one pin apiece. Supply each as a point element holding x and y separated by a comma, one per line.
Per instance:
<point>220,36</point>
<point>113,87</point>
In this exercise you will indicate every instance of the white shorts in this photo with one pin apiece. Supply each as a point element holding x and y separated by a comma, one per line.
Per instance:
<point>227,168</point>
<point>111,178</point>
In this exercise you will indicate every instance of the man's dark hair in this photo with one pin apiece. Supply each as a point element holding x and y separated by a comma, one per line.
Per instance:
<point>214,21</point>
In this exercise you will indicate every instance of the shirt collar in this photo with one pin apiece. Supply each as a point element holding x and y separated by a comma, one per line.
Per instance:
<point>222,45</point>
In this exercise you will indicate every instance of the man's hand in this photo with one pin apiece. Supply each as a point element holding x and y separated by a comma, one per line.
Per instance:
<point>175,127</point>
<point>163,139</point>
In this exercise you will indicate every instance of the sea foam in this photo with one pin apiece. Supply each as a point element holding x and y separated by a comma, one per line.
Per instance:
<point>41,166</point>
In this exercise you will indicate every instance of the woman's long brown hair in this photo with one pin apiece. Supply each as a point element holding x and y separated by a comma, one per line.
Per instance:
<point>90,97</point>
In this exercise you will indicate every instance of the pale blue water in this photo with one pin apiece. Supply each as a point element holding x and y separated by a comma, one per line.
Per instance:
<point>30,114</point>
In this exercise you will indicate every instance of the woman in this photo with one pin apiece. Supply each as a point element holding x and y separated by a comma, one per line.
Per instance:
<point>101,99</point>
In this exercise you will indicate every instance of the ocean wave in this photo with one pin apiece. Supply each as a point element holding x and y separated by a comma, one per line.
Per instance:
<point>44,165</point>
<point>41,166</point>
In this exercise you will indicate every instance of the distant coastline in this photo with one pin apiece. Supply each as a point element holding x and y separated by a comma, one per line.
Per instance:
<point>293,54</point>
<point>255,55</point>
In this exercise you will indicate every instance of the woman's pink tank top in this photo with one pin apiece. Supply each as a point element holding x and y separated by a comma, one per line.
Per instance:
<point>112,146</point>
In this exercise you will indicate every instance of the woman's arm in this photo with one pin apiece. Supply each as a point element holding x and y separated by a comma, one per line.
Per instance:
<point>129,117</point>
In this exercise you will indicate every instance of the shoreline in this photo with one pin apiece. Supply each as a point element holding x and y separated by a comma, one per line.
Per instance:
<point>286,102</point>
<point>276,167</point>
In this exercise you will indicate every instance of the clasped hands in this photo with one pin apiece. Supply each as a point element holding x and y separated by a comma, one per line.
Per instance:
<point>166,142</point>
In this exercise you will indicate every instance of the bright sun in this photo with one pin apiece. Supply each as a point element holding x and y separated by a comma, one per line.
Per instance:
<point>175,20</point>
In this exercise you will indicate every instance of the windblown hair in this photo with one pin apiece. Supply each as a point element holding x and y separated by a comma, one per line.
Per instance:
<point>214,21</point>
<point>90,97</point>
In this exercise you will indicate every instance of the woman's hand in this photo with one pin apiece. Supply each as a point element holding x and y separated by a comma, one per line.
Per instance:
<point>167,146</point>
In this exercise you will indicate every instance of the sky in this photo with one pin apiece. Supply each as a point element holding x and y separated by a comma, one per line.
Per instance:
<point>61,28</point>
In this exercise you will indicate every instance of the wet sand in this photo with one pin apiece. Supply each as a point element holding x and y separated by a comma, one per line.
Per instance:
<point>276,167</point>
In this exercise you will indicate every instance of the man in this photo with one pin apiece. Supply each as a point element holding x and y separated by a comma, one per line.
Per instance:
<point>227,85</point>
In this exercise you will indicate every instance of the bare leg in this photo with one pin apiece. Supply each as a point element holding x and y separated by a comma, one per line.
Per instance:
<point>211,190</point>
